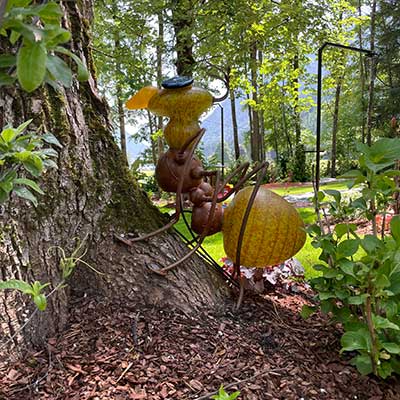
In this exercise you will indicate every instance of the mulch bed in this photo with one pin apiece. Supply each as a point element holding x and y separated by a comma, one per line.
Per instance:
<point>266,350</point>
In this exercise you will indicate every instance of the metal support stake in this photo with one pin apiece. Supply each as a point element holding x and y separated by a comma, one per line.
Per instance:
<point>222,142</point>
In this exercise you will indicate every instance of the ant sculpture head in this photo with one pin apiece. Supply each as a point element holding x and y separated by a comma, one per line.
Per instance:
<point>180,102</point>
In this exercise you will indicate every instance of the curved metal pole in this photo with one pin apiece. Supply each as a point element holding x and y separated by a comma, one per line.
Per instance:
<point>222,141</point>
<point>201,238</point>
<point>242,232</point>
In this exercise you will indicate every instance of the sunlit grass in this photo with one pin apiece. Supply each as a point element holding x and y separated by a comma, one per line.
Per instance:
<point>290,190</point>
<point>308,255</point>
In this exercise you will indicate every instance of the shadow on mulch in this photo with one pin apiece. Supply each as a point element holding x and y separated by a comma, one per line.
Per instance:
<point>265,350</point>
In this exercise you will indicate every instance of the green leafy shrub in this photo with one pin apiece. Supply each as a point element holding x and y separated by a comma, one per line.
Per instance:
<point>34,290</point>
<point>359,284</point>
<point>37,35</point>
<point>22,153</point>
<point>298,166</point>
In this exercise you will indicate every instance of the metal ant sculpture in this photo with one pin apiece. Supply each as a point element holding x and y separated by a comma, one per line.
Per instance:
<point>180,171</point>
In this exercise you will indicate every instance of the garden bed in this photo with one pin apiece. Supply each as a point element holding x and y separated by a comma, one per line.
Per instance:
<point>266,350</point>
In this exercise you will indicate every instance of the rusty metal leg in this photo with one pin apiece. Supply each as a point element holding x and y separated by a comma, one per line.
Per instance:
<point>201,238</point>
<point>196,138</point>
<point>243,179</point>
<point>243,229</point>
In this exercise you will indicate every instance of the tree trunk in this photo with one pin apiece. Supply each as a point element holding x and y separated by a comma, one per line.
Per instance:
<point>297,120</point>
<point>120,104</point>
<point>372,76</point>
<point>182,21</point>
<point>152,140</point>
<point>160,47</point>
<point>234,124</point>
<point>276,147</point>
<point>261,136</point>
<point>91,197</point>
<point>287,133</point>
<point>255,127</point>
<point>121,120</point>
<point>335,126</point>
<point>362,75</point>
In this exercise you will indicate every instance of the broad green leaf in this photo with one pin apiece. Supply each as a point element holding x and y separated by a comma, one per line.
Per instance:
<point>363,363</point>
<point>335,194</point>
<point>347,248</point>
<point>392,173</point>
<point>384,323</point>
<point>50,164</point>
<point>357,299</point>
<point>33,164</point>
<point>17,3</point>
<point>28,182</point>
<point>370,243</point>
<point>3,194</point>
<point>59,70</point>
<point>391,308</point>
<point>343,229</point>
<point>55,35</point>
<point>382,281</point>
<point>359,203</point>
<point>392,348</point>
<point>31,65</point>
<point>355,173</point>
<point>16,284</point>
<point>354,341</point>
<point>325,295</point>
<point>6,187</point>
<point>342,314</point>
<point>44,153</point>
<point>385,369</point>
<point>347,267</point>
<point>23,126</point>
<point>51,139</point>
<point>9,134</point>
<point>8,177</point>
<point>23,155</point>
<point>49,12</point>
<point>395,283</point>
<point>395,228</point>
<point>83,74</point>
<point>25,193</point>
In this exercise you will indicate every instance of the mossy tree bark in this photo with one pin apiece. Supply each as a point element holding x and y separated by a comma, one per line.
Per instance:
<point>91,197</point>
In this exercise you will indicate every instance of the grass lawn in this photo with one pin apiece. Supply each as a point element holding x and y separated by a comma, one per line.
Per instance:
<point>283,191</point>
<point>308,255</point>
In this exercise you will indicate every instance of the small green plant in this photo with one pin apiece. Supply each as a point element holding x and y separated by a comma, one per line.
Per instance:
<point>223,395</point>
<point>34,290</point>
<point>359,284</point>
<point>22,153</point>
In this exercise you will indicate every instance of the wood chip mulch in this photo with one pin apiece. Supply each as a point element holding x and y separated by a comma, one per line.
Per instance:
<point>266,350</point>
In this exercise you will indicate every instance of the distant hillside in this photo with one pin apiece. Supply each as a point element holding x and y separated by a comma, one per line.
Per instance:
<point>211,142</point>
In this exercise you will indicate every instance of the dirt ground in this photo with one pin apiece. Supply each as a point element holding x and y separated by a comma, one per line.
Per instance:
<point>266,350</point>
